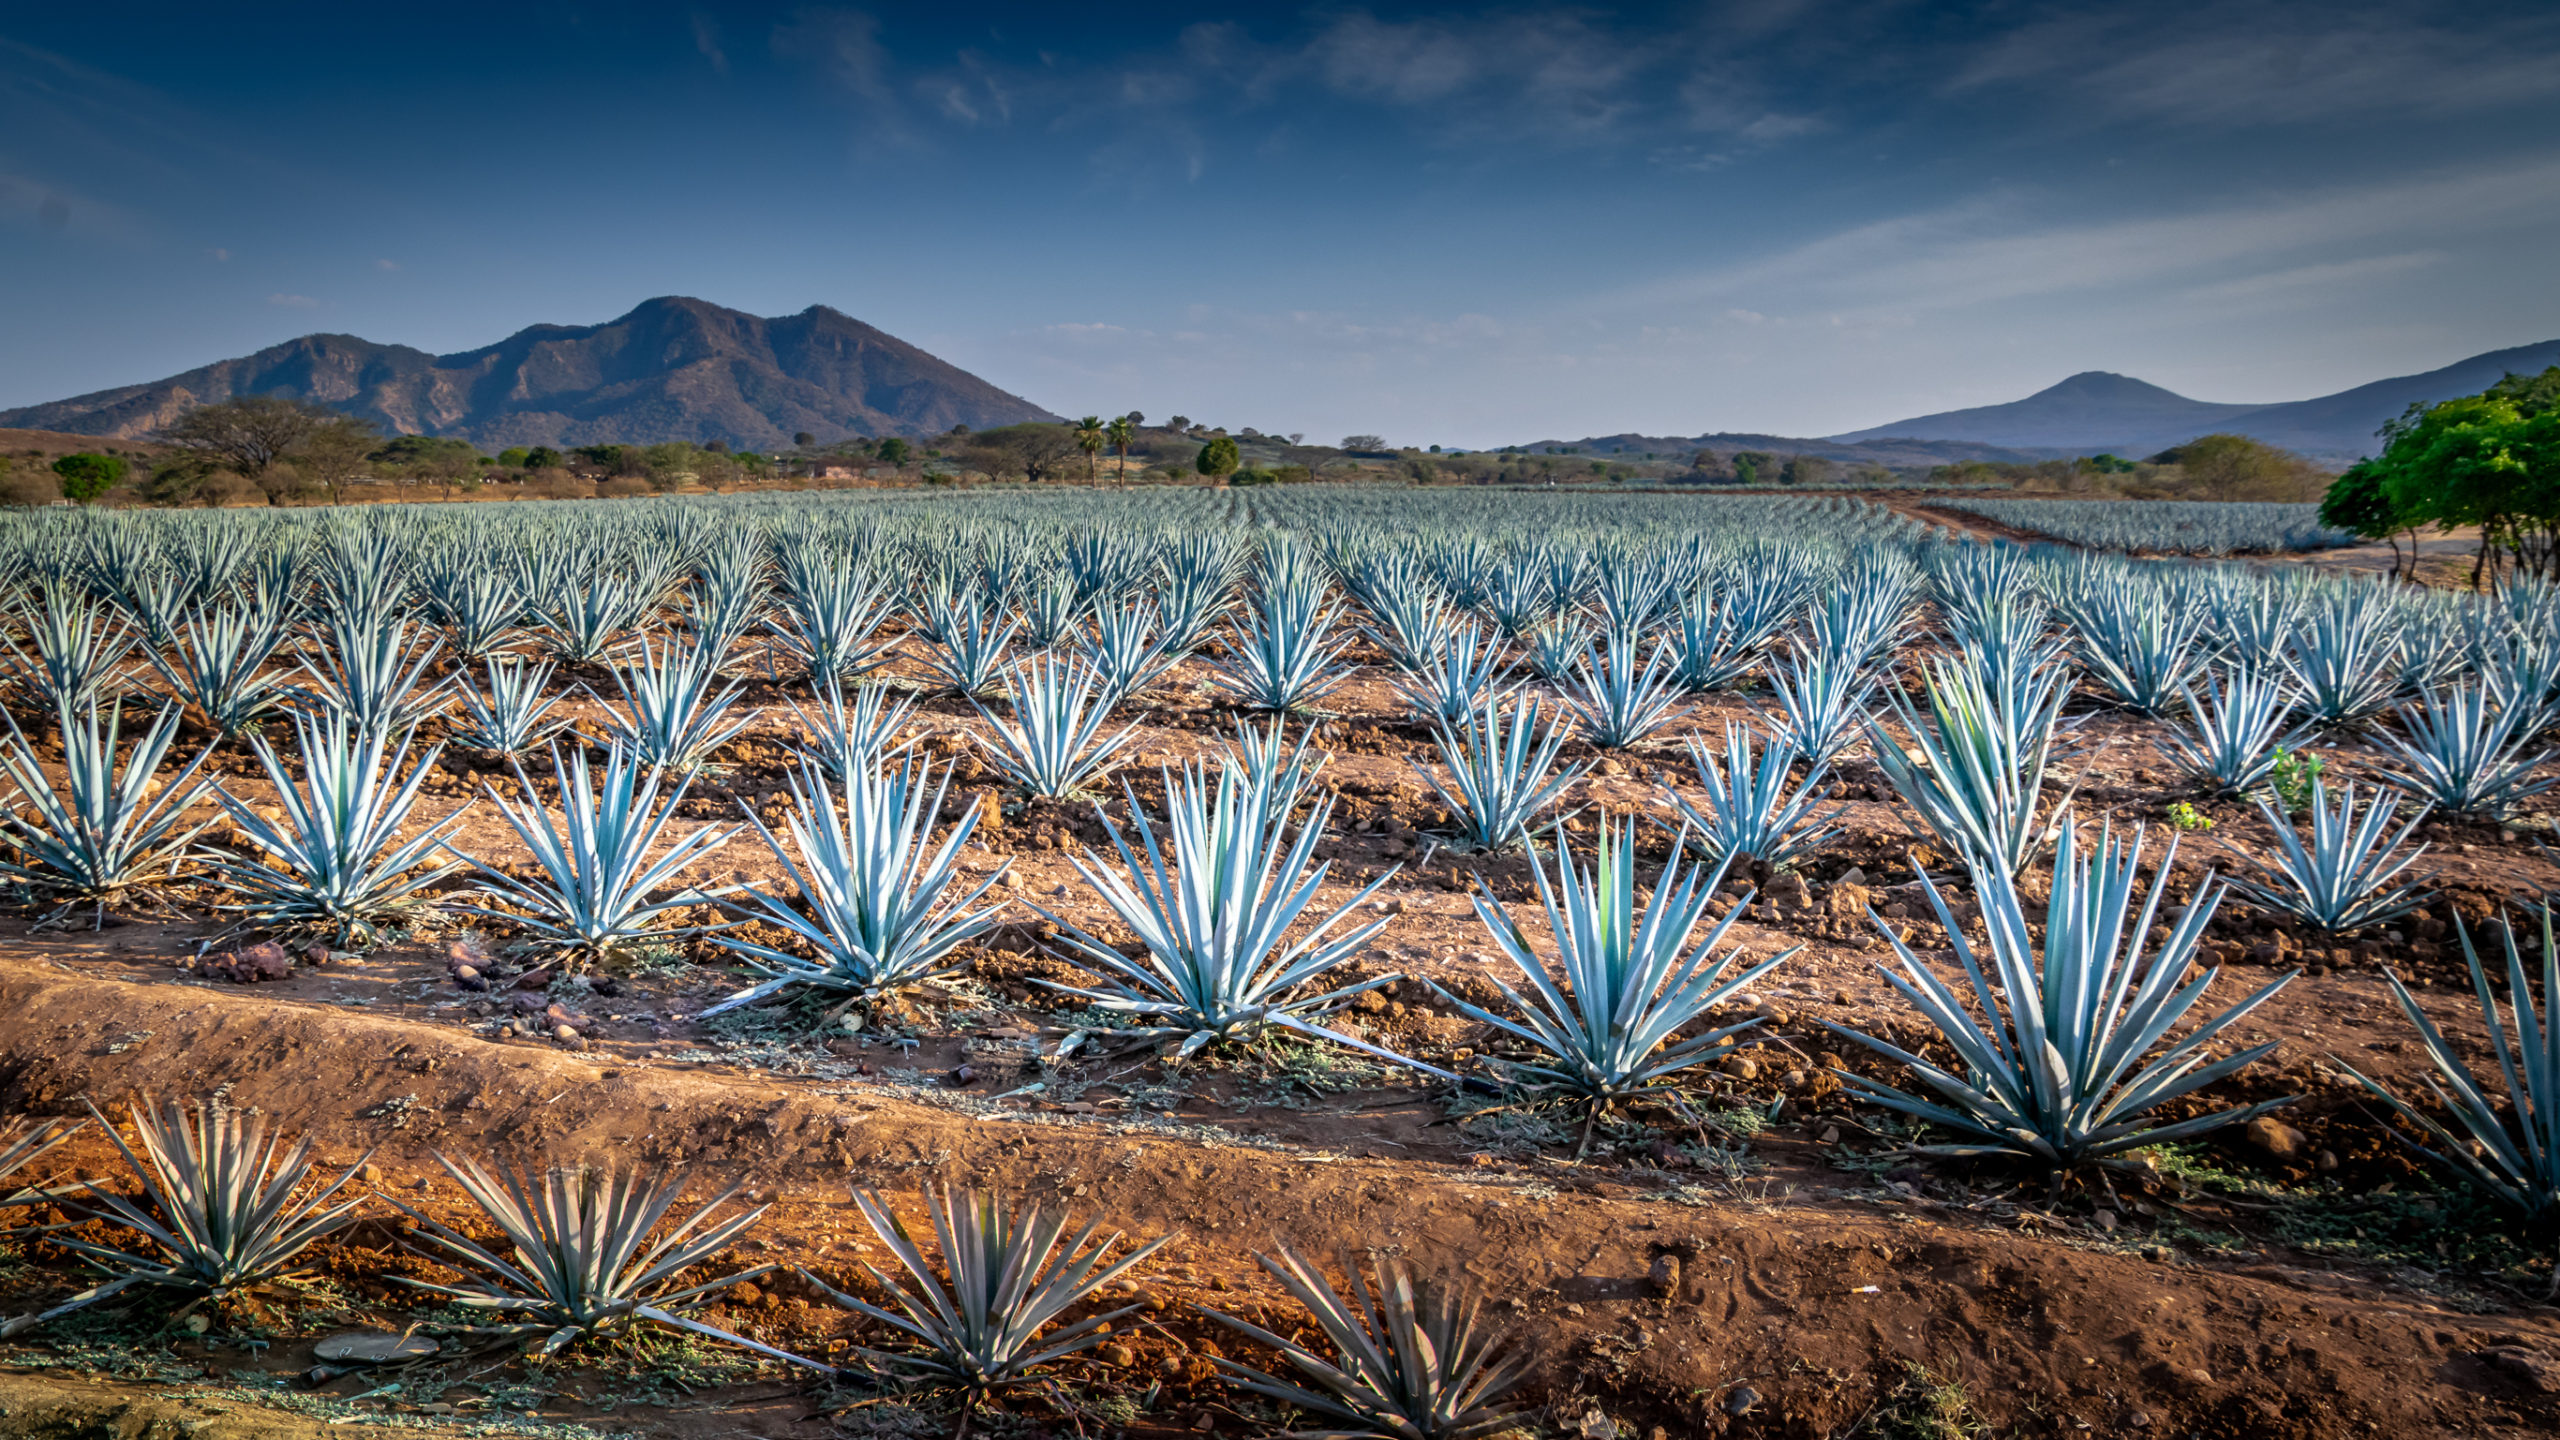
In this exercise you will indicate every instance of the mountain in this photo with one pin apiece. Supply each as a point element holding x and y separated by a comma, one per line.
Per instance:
<point>2096,411</point>
<point>672,369</point>
<point>1891,453</point>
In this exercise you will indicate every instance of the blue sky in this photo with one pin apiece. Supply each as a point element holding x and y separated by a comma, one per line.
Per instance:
<point>1462,226</point>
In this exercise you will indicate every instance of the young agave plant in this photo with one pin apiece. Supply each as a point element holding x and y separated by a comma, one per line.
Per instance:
<point>367,671</point>
<point>829,619</point>
<point>2057,1049</point>
<point>101,834</point>
<point>2140,644</point>
<point>1277,769</point>
<point>335,862</point>
<point>2510,1150</point>
<point>1501,775</point>
<point>480,608</point>
<point>968,645</point>
<point>2464,754</point>
<point>1619,704</point>
<point>2233,731</point>
<point>671,715</point>
<point>1411,1359</point>
<point>850,741</point>
<point>2342,881</point>
<point>1750,813</point>
<point>1220,962</point>
<point>1051,611</point>
<point>578,1259</point>
<point>515,716</point>
<point>1979,781</point>
<point>78,641</point>
<point>1000,1317</point>
<point>879,905</point>
<point>1126,650</point>
<point>218,1215</point>
<point>586,625</point>
<point>215,667</point>
<point>1445,686</point>
<point>1054,744</point>
<point>1282,655</point>
<point>1555,647</point>
<point>1822,702</point>
<point>2340,658</point>
<point>593,897</point>
<point>1410,622</point>
<point>1632,980</point>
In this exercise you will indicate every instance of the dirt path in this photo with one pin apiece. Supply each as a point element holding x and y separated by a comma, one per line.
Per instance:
<point>1814,1294</point>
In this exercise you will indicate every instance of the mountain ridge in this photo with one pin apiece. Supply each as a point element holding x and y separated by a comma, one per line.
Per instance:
<point>2098,410</point>
<point>672,368</point>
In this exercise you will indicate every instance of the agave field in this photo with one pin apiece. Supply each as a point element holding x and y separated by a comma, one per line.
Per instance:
<point>2164,527</point>
<point>1370,962</point>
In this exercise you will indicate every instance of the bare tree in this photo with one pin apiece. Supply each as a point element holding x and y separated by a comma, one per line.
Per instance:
<point>248,432</point>
<point>333,451</point>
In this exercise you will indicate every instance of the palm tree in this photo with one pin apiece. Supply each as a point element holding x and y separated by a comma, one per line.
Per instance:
<point>1089,436</point>
<point>1122,433</point>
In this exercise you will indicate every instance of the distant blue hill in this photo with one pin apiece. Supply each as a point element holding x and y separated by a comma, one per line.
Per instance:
<point>2095,411</point>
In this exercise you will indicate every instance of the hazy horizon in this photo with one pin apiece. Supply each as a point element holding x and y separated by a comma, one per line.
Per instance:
<point>1465,227</point>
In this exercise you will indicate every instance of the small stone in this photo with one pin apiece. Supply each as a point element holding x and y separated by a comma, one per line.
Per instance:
<point>2278,1140</point>
<point>1741,1401</point>
<point>1116,1354</point>
<point>2140,1420</point>
<point>1218,1282</point>
<point>1171,1369</point>
<point>1742,1067</point>
<point>1830,1134</point>
<point>248,965</point>
<point>564,1033</point>
<point>1854,876</point>
<point>466,973</point>
<point>2107,1220</point>
<point>371,1175</point>
<point>2326,1162</point>
<point>745,1293</point>
<point>1664,1278</point>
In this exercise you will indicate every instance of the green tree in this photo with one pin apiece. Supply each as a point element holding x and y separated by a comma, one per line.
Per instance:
<point>2236,467</point>
<point>85,476</point>
<point>893,451</point>
<point>1090,438</point>
<point>514,456</point>
<point>1123,433</point>
<point>542,457</point>
<point>2361,502</point>
<point>1219,457</point>
<point>802,439</point>
<point>2490,460</point>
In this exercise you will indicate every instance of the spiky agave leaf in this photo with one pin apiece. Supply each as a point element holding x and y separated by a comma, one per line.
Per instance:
<point>1054,743</point>
<point>1220,960</point>
<point>22,1144</point>
<point>215,666</point>
<point>2232,731</point>
<point>2512,1151</point>
<point>2341,882</point>
<point>1410,1359</point>
<point>100,833</point>
<point>335,861</point>
<point>876,896</point>
<point>218,1213</point>
<point>848,741</point>
<point>1978,781</point>
<point>1274,767</point>
<point>1618,701</point>
<point>2464,754</point>
<point>1443,687</point>
<point>1500,774</point>
<point>2340,658</point>
<point>371,670</point>
<point>1631,978</point>
<point>1751,810</point>
<point>79,645</point>
<point>997,1318</point>
<point>969,641</point>
<point>593,897</point>
<point>1283,652</point>
<point>1126,650</point>
<point>516,714</point>
<point>578,1259</point>
<point>829,617</point>
<point>2140,643</point>
<point>672,715</point>
<point>2060,1051</point>
<point>1822,703</point>
<point>588,619</point>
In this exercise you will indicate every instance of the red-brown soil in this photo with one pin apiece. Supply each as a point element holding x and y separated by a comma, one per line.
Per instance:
<point>1811,1264</point>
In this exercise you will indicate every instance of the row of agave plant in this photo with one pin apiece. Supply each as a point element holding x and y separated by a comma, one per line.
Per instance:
<point>2064,1045</point>
<point>221,1210</point>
